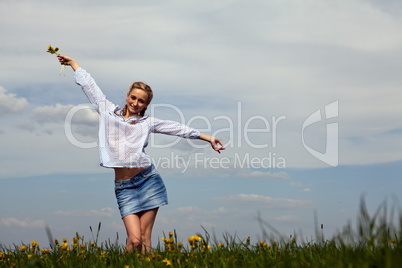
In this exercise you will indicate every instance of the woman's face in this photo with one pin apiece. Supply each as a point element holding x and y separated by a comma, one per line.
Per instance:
<point>137,100</point>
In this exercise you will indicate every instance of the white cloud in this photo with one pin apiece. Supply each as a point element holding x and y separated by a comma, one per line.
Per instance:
<point>51,114</point>
<point>295,184</point>
<point>57,114</point>
<point>265,175</point>
<point>53,118</point>
<point>300,185</point>
<point>351,24</point>
<point>306,190</point>
<point>9,103</point>
<point>286,218</point>
<point>25,223</point>
<point>103,212</point>
<point>267,202</point>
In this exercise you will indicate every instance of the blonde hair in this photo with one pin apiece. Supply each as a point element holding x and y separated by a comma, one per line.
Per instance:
<point>142,86</point>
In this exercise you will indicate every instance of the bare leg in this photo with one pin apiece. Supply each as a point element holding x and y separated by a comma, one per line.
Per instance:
<point>132,224</point>
<point>139,230</point>
<point>147,220</point>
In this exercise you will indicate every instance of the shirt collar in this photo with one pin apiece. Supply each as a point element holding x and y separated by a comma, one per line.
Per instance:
<point>119,111</point>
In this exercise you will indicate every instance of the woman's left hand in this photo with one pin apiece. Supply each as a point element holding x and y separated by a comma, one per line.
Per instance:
<point>215,142</point>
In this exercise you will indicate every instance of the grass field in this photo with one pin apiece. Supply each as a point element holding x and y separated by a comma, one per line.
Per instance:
<point>376,242</point>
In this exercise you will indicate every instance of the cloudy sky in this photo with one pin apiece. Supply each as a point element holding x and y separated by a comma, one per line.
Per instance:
<point>305,95</point>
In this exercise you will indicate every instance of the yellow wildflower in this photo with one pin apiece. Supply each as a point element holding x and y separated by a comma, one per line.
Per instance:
<point>30,256</point>
<point>23,248</point>
<point>64,246</point>
<point>167,262</point>
<point>34,244</point>
<point>392,241</point>
<point>51,50</point>
<point>191,239</point>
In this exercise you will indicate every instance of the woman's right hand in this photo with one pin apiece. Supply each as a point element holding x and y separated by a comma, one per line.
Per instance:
<point>66,60</point>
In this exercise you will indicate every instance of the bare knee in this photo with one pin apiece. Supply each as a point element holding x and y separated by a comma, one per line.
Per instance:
<point>133,243</point>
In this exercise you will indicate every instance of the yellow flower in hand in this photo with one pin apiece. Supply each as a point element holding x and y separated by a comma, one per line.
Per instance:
<point>52,50</point>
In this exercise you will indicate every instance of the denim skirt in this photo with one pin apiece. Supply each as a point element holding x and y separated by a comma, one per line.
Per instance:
<point>142,192</point>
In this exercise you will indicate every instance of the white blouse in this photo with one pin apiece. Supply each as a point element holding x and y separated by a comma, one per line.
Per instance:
<point>122,144</point>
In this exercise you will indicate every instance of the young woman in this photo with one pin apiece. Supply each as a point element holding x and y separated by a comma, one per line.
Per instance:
<point>123,135</point>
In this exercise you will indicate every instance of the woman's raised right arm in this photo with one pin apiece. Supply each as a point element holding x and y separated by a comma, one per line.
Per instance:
<point>88,85</point>
<point>66,60</point>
